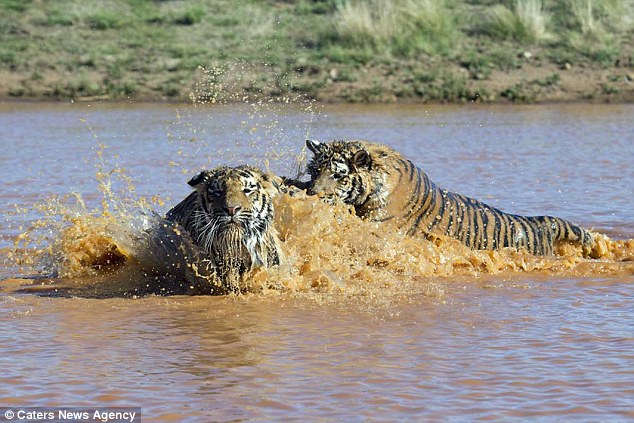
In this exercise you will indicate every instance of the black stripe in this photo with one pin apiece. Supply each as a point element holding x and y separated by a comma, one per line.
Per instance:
<point>400,172</point>
<point>427,199</point>
<point>450,224</point>
<point>265,202</point>
<point>576,230</point>
<point>414,198</point>
<point>440,213</point>
<point>411,168</point>
<point>383,219</point>
<point>243,173</point>
<point>496,230</point>
<point>483,243</point>
<point>528,231</point>
<point>508,225</point>
<point>463,225</point>
<point>468,225</point>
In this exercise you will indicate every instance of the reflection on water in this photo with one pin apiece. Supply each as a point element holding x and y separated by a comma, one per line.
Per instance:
<point>369,330</point>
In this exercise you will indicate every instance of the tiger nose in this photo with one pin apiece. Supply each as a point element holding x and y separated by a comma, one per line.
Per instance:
<point>231,211</point>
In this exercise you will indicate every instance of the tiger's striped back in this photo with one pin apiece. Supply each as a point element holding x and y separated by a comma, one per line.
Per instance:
<point>432,210</point>
<point>383,186</point>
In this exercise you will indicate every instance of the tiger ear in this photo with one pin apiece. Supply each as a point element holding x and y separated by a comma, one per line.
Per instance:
<point>361,159</point>
<point>316,147</point>
<point>198,179</point>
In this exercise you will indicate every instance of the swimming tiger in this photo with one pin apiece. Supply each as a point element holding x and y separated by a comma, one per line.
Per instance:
<point>384,186</point>
<point>230,215</point>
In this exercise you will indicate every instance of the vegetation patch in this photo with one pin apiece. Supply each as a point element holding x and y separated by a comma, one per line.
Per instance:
<point>330,50</point>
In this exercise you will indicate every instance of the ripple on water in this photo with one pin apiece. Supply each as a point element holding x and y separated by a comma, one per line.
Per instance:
<point>400,342</point>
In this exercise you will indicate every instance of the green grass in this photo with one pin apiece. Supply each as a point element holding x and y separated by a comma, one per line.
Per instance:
<point>526,22</point>
<point>356,50</point>
<point>401,27</point>
<point>595,27</point>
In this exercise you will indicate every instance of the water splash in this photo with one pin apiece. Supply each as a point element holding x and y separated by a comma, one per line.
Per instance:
<point>263,136</point>
<point>123,247</point>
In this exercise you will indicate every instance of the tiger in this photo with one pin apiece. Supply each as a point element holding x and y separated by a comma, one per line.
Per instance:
<point>229,215</point>
<point>384,186</point>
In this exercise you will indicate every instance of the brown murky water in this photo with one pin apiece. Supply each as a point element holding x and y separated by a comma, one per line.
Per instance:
<point>361,324</point>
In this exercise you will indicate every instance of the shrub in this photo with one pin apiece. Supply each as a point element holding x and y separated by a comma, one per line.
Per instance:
<point>526,23</point>
<point>595,27</point>
<point>402,27</point>
<point>599,16</point>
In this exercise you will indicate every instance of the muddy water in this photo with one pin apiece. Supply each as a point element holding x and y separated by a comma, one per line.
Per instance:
<point>362,324</point>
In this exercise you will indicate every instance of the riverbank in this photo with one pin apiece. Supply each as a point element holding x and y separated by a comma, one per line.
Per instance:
<point>401,51</point>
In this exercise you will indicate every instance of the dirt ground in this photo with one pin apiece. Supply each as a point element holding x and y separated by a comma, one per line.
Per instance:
<point>533,83</point>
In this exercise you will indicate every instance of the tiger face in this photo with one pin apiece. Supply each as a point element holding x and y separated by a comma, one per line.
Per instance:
<point>340,171</point>
<point>233,199</point>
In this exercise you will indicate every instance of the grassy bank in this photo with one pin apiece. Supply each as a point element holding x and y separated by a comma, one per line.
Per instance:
<point>330,50</point>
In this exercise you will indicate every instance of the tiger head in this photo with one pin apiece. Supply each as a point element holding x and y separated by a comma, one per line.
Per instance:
<point>234,216</point>
<point>239,197</point>
<point>342,171</point>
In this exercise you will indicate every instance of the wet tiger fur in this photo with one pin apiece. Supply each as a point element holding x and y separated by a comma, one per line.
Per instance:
<point>384,186</point>
<point>230,216</point>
